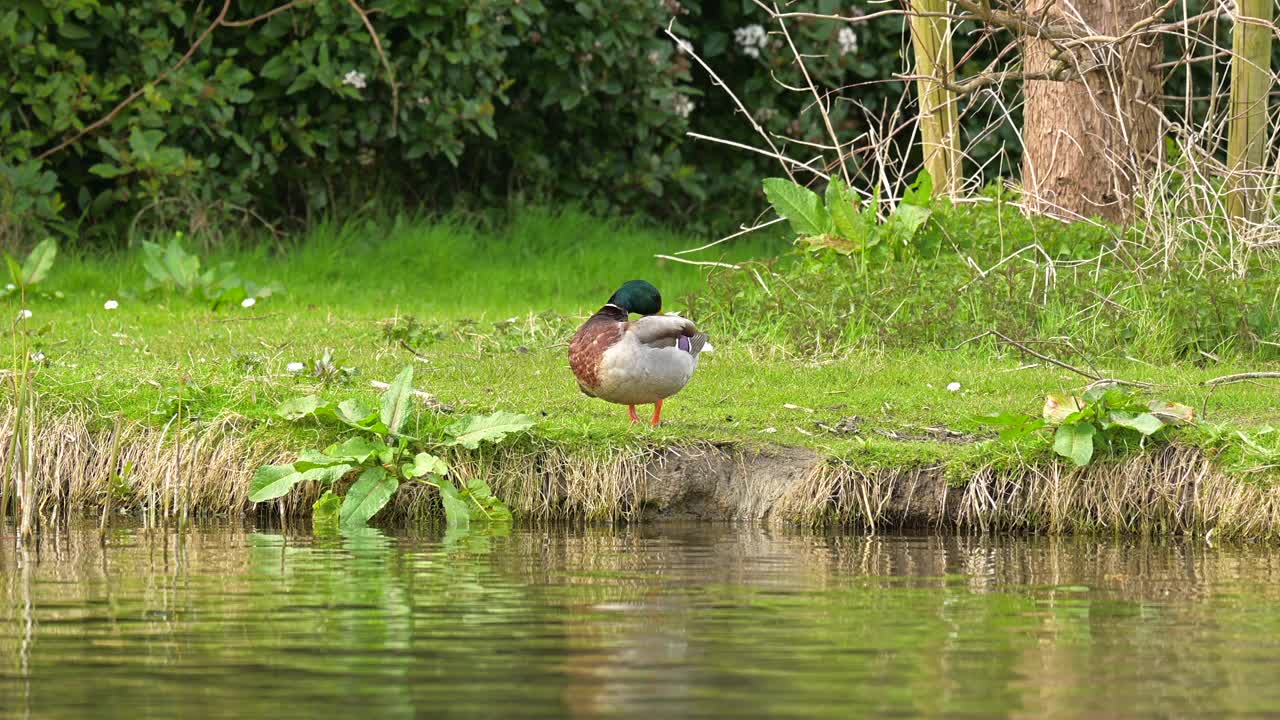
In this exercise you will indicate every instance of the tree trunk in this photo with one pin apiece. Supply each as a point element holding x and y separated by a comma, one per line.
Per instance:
<point>1089,137</point>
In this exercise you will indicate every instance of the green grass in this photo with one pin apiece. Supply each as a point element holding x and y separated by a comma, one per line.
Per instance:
<point>343,282</point>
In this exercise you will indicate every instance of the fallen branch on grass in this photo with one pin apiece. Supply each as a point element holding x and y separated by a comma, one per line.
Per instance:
<point>1097,379</point>
<point>1241,377</point>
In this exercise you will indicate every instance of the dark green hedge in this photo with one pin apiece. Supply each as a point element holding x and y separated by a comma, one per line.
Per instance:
<point>499,101</point>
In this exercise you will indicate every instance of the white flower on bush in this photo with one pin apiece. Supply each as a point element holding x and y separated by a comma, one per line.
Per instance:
<point>682,106</point>
<point>295,367</point>
<point>248,302</point>
<point>110,305</point>
<point>848,40</point>
<point>684,46</point>
<point>355,79</point>
<point>953,387</point>
<point>751,40</point>
<point>24,314</point>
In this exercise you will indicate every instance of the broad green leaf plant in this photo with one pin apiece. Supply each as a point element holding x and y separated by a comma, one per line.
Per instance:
<point>171,268</point>
<point>843,223</point>
<point>382,457</point>
<point>1104,417</point>
<point>24,275</point>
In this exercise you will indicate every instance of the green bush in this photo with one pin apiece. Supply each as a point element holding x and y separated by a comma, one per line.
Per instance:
<point>496,101</point>
<point>287,116</point>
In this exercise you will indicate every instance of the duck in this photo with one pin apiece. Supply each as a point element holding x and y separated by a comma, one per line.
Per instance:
<point>641,362</point>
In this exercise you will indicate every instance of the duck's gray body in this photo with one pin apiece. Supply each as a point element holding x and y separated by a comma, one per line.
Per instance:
<point>635,363</point>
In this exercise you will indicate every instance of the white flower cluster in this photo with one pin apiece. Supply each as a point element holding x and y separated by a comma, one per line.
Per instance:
<point>751,40</point>
<point>682,106</point>
<point>355,79</point>
<point>848,40</point>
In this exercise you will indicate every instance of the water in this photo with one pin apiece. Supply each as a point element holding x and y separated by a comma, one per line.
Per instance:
<point>660,621</point>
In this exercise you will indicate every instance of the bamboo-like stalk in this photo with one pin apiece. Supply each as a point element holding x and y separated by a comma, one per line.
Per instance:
<point>1250,83</point>
<point>939,119</point>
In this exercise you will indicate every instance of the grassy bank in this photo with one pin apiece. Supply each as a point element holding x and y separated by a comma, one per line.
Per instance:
<point>483,315</point>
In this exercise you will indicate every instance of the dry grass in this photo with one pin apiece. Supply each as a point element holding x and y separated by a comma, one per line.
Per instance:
<point>205,471</point>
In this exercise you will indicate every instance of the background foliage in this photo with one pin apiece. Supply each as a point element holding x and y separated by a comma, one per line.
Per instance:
<point>498,101</point>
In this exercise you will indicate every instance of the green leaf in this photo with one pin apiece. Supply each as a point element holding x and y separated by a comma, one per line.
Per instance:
<point>367,496</point>
<point>457,512</point>
<point>920,192</point>
<point>15,270</point>
<point>1172,413</point>
<point>325,512</point>
<point>397,400</point>
<point>799,205</point>
<point>1145,423</point>
<point>1057,408</point>
<point>327,474</point>
<point>425,464</point>
<point>153,263</point>
<point>843,209</point>
<point>471,431</point>
<point>272,481</point>
<point>356,449</point>
<point>1075,442</point>
<point>490,508</point>
<point>39,262</point>
<point>354,412</point>
<point>906,221</point>
<point>300,407</point>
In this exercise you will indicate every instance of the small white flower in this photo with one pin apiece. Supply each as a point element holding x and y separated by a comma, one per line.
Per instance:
<point>37,356</point>
<point>248,302</point>
<point>295,367</point>
<point>355,79</point>
<point>423,101</point>
<point>751,40</point>
<point>685,47</point>
<point>110,305</point>
<point>848,40</point>
<point>24,314</point>
<point>953,387</point>
<point>10,286</point>
<point>682,106</point>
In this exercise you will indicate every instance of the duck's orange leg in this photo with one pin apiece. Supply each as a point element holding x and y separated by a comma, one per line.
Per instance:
<point>631,409</point>
<point>657,412</point>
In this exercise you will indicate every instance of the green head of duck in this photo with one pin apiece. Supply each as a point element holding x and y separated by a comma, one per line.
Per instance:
<point>639,297</point>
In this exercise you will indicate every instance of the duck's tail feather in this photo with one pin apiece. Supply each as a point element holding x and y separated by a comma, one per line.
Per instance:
<point>694,344</point>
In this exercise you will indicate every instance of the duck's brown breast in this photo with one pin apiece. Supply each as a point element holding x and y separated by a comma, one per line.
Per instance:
<point>597,334</point>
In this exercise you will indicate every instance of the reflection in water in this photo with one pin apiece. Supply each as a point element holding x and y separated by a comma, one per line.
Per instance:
<point>662,620</point>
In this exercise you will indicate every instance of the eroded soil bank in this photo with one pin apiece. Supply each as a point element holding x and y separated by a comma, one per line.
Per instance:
<point>1166,490</point>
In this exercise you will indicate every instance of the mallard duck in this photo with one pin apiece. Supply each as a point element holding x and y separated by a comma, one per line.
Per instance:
<point>635,363</point>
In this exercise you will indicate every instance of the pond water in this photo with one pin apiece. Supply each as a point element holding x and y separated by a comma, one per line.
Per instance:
<point>655,621</point>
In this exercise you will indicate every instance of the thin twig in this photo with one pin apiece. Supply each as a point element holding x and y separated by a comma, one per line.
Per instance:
<point>1241,377</point>
<point>1097,379</point>
<point>707,263</point>
<point>727,238</point>
<point>386,65</point>
<point>119,108</point>
<point>264,16</point>
<point>409,349</point>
